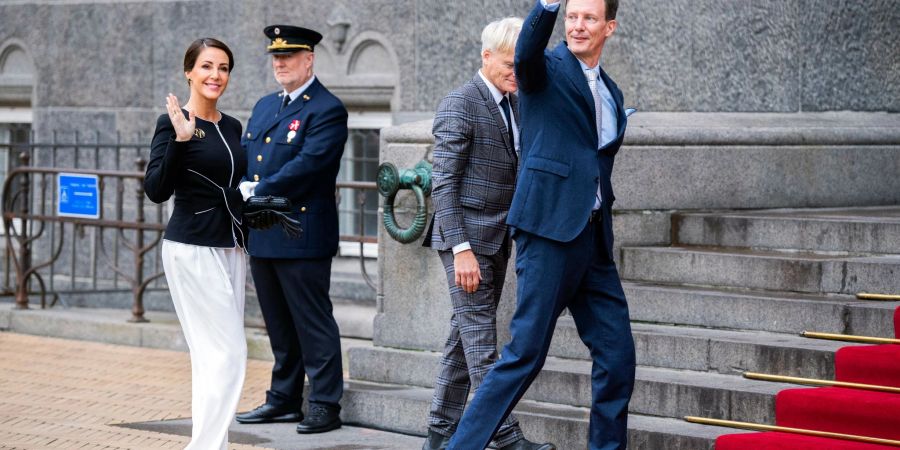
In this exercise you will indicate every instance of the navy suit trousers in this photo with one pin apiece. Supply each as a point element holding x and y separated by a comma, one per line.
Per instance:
<point>293,297</point>
<point>552,276</point>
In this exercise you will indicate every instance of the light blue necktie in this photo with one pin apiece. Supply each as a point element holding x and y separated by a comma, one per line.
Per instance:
<point>592,83</point>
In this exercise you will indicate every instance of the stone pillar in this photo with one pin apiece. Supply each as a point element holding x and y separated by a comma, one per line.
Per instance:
<point>413,300</point>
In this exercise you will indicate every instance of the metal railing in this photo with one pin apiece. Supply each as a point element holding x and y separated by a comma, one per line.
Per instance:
<point>30,221</point>
<point>50,256</point>
<point>360,236</point>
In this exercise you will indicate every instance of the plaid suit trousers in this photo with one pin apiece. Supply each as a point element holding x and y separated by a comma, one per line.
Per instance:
<point>471,348</point>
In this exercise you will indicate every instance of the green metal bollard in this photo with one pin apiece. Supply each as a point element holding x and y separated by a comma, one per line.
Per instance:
<point>390,181</point>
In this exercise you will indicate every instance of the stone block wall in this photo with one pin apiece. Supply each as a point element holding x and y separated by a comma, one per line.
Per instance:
<point>108,65</point>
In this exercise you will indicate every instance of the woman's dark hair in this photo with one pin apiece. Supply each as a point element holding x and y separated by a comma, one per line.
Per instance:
<point>193,51</point>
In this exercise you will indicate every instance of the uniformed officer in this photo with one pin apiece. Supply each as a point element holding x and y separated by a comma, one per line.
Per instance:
<point>294,142</point>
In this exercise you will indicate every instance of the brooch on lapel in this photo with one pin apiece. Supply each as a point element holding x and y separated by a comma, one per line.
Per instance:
<point>199,133</point>
<point>293,127</point>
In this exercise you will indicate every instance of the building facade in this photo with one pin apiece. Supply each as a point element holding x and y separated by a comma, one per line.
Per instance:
<point>103,68</point>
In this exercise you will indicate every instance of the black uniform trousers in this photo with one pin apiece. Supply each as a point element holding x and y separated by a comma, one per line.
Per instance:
<point>293,296</point>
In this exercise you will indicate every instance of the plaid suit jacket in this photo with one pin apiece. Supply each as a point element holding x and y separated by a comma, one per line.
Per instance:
<point>474,171</point>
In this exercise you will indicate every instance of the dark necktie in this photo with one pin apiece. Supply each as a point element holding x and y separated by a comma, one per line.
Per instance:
<point>287,99</point>
<point>504,105</point>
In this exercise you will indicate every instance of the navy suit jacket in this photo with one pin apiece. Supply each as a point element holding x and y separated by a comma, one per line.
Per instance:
<point>561,166</point>
<point>303,168</point>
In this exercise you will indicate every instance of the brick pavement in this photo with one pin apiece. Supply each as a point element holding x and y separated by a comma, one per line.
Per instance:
<point>67,394</point>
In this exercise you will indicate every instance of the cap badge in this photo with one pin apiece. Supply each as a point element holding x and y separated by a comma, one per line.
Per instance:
<point>277,31</point>
<point>282,44</point>
<point>295,125</point>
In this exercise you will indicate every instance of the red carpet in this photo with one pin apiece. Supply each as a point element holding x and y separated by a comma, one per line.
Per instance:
<point>840,410</point>
<point>837,410</point>
<point>897,323</point>
<point>869,364</point>
<point>787,441</point>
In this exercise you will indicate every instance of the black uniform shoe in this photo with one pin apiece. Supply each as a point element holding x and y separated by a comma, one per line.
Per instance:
<point>435,441</point>
<point>267,413</point>
<point>525,444</point>
<point>320,419</point>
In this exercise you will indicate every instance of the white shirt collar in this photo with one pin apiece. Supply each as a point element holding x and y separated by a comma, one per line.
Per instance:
<point>296,92</point>
<point>494,91</point>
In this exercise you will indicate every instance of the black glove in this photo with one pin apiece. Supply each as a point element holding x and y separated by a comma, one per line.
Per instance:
<point>260,220</point>
<point>264,211</point>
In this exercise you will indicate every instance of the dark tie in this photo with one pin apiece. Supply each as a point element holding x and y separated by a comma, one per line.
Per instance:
<point>504,105</point>
<point>287,99</point>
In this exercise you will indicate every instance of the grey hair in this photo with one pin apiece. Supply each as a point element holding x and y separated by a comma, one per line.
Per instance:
<point>501,35</point>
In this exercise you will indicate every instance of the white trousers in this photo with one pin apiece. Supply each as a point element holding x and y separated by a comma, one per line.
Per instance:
<point>207,286</point>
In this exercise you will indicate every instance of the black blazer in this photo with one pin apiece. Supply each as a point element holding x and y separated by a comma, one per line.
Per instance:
<point>203,173</point>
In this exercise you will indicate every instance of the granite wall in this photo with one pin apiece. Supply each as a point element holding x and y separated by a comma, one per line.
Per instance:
<point>108,65</point>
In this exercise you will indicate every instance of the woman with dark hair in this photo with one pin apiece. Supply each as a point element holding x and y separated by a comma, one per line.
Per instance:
<point>196,155</point>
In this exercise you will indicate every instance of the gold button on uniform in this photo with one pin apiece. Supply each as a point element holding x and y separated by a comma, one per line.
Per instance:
<point>259,157</point>
<point>268,139</point>
<point>255,177</point>
<point>303,209</point>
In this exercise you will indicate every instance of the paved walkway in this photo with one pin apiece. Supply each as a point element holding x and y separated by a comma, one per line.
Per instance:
<point>64,394</point>
<point>57,393</point>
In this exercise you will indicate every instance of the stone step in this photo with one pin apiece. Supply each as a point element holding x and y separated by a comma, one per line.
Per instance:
<point>110,326</point>
<point>354,319</point>
<point>848,230</point>
<point>659,392</point>
<point>809,272</point>
<point>708,350</point>
<point>404,409</point>
<point>347,286</point>
<point>759,310</point>
<point>348,282</point>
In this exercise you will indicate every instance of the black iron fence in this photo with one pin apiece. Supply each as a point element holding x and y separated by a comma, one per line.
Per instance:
<point>52,256</point>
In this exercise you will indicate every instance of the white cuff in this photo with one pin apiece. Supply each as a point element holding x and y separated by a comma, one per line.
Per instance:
<point>247,189</point>
<point>461,247</point>
<point>551,8</point>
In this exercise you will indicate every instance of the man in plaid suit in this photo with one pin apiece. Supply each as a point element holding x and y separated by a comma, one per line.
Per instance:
<point>475,166</point>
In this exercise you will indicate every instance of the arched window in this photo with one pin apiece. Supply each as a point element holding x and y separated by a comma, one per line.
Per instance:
<point>16,77</point>
<point>16,88</point>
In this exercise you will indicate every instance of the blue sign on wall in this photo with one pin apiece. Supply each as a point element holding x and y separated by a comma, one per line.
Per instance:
<point>79,196</point>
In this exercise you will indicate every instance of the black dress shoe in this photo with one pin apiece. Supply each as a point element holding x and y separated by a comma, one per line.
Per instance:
<point>267,413</point>
<point>525,444</point>
<point>435,441</point>
<point>320,419</point>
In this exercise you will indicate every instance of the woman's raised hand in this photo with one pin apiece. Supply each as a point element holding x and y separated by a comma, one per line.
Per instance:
<point>184,128</point>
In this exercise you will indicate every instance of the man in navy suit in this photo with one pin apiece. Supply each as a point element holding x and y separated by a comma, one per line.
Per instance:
<point>475,166</point>
<point>573,124</point>
<point>294,142</point>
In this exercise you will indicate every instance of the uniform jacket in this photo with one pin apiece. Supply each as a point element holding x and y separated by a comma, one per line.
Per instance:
<point>303,168</point>
<point>561,166</point>
<point>203,174</point>
<point>474,172</point>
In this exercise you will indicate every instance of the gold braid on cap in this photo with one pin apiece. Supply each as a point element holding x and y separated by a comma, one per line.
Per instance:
<point>281,44</point>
